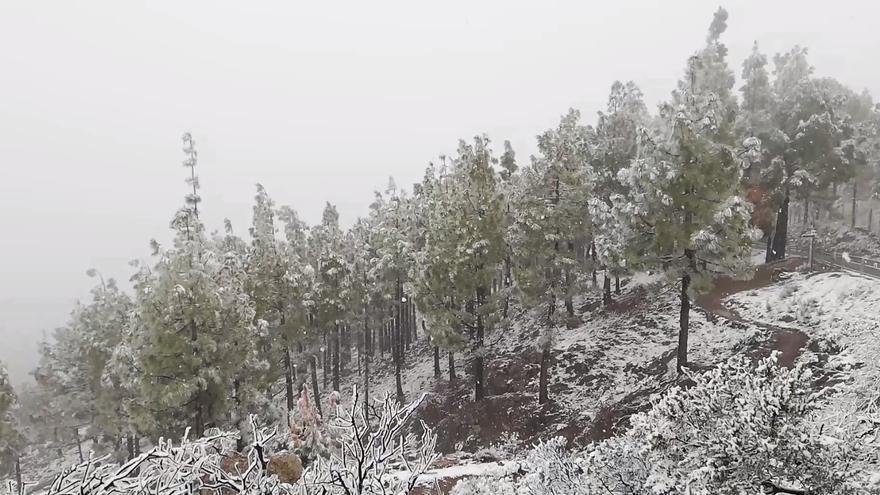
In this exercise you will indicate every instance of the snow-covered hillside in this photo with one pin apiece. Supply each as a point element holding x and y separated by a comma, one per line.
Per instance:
<point>839,311</point>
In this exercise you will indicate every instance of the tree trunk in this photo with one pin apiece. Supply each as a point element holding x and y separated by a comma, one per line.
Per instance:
<point>606,290</point>
<point>336,356</point>
<point>382,341</point>
<point>366,371</point>
<point>398,346</point>
<point>871,220</point>
<point>407,340</point>
<point>326,355</point>
<point>508,279</point>
<point>806,208</point>
<point>681,358</point>
<point>57,441</point>
<point>413,320</point>
<point>288,377</point>
<point>479,390</point>
<point>317,398</point>
<point>780,234</point>
<point>544,378</point>
<point>129,440</point>
<point>199,419</point>
<point>617,284</point>
<point>79,449</point>
<point>855,195</point>
<point>236,390</point>
<point>18,485</point>
<point>593,258</point>
<point>436,362</point>
<point>451,366</point>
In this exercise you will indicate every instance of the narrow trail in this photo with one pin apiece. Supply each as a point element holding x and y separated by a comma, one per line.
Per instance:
<point>790,342</point>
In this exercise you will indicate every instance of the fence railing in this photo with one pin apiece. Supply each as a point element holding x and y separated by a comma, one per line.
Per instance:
<point>860,264</point>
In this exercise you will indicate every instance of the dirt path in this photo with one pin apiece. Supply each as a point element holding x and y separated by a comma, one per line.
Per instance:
<point>788,341</point>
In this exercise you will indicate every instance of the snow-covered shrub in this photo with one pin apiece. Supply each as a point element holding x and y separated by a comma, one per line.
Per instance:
<point>364,462</point>
<point>495,484</point>
<point>310,436</point>
<point>507,446</point>
<point>548,469</point>
<point>386,458</point>
<point>739,429</point>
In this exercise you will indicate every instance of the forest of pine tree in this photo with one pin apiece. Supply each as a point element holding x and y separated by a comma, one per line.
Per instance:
<point>277,318</point>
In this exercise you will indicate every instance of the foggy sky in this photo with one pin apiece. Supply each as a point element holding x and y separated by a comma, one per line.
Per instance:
<point>318,101</point>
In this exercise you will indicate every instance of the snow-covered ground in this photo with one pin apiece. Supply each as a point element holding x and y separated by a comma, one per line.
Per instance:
<point>609,364</point>
<point>840,311</point>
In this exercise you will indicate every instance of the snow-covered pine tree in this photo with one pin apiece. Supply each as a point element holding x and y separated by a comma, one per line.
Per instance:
<point>250,371</point>
<point>859,147</point>
<point>683,213</point>
<point>278,280</point>
<point>365,292</point>
<point>74,367</point>
<point>615,143</point>
<point>197,324</point>
<point>755,122</point>
<point>393,248</point>
<point>12,440</point>
<point>551,228</point>
<point>804,144</point>
<point>330,291</point>
<point>444,334</point>
<point>464,250</point>
<point>508,187</point>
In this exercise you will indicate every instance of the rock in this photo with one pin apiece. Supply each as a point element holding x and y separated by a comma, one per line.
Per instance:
<point>287,466</point>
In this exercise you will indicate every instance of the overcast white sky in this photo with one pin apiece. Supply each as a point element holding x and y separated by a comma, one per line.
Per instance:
<point>318,101</point>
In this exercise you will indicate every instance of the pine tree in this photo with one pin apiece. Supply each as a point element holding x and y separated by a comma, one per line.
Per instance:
<point>804,147</point>
<point>74,366</point>
<point>615,146</point>
<point>330,291</point>
<point>393,249</point>
<point>11,438</point>
<point>279,278</point>
<point>683,213</point>
<point>198,330</point>
<point>551,227</point>
<point>464,249</point>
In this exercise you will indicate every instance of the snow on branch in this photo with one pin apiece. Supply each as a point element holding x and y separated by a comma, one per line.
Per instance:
<point>385,458</point>
<point>389,458</point>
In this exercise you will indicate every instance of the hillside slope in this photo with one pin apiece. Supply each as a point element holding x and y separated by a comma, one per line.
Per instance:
<point>604,369</point>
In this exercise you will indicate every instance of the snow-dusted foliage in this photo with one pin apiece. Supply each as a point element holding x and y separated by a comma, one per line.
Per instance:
<point>310,437</point>
<point>839,310</point>
<point>78,368</point>
<point>11,438</point>
<point>167,468</point>
<point>464,249</point>
<point>738,428</point>
<point>387,456</point>
<point>195,338</point>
